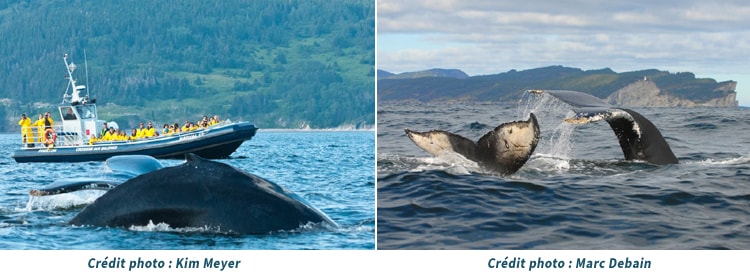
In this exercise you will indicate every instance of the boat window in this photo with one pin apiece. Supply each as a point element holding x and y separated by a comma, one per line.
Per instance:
<point>88,111</point>
<point>68,113</point>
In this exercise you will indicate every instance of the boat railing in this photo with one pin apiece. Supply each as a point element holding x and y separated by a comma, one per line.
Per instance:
<point>45,137</point>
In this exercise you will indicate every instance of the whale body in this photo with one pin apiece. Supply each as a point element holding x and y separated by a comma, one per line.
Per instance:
<point>203,194</point>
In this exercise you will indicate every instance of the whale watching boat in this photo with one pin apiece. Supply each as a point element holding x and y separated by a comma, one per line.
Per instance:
<point>70,139</point>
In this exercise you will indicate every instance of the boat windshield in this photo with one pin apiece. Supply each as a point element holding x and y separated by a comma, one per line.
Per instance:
<point>67,113</point>
<point>87,111</point>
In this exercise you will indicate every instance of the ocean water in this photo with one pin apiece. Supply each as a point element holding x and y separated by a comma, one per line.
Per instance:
<point>576,191</point>
<point>331,170</point>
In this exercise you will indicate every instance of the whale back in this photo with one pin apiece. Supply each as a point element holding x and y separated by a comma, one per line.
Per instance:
<point>203,194</point>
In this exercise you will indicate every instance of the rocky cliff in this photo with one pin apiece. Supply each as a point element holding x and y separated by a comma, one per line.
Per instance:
<point>646,93</point>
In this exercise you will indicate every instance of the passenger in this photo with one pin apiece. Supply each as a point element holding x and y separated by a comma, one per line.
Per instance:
<point>186,127</point>
<point>105,130</point>
<point>150,131</point>
<point>39,123</point>
<point>141,131</point>
<point>215,120</point>
<point>204,122</point>
<point>26,131</point>
<point>134,135</point>
<point>48,122</point>
<point>111,135</point>
<point>174,129</point>
<point>69,115</point>
<point>165,130</point>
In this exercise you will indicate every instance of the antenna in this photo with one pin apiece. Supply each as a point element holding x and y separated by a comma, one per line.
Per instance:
<point>86,66</point>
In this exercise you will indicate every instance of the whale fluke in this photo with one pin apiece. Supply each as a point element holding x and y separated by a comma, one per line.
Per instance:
<point>638,137</point>
<point>125,167</point>
<point>72,185</point>
<point>503,150</point>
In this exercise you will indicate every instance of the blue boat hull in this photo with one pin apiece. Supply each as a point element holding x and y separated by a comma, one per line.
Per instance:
<point>214,143</point>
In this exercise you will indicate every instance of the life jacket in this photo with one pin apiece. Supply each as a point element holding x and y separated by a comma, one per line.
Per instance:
<point>150,132</point>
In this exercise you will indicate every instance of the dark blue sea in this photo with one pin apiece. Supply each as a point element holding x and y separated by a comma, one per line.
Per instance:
<point>576,191</point>
<point>333,170</point>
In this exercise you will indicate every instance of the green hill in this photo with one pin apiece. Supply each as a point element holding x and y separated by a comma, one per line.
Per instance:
<point>283,64</point>
<point>435,72</point>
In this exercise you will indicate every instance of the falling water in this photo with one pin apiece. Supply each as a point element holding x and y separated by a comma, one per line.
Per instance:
<point>555,144</point>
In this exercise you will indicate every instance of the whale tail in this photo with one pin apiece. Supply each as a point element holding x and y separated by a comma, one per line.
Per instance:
<point>125,166</point>
<point>638,137</point>
<point>503,150</point>
<point>507,148</point>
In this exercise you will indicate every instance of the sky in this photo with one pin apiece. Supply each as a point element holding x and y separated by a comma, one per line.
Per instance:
<point>708,38</point>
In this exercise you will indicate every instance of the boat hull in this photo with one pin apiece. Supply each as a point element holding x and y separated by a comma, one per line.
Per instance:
<point>213,143</point>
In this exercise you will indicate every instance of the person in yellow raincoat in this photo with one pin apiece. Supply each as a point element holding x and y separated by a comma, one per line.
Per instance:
<point>26,133</point>
<point>39,123</point>
<point>151,131</point>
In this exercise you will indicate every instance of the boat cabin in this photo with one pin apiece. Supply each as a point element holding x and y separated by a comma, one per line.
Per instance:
<point>79,123</point>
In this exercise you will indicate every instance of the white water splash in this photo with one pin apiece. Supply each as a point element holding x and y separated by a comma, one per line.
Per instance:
<point>62,201</point>
<point>164,227</point>
<point>450,162</point>
<point>731,161</point>
<point>555,143</point>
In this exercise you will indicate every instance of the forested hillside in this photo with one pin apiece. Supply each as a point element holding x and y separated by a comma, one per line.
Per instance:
<point>282,64</point>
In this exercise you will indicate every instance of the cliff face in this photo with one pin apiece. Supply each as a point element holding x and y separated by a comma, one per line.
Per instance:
<point>645,93</point>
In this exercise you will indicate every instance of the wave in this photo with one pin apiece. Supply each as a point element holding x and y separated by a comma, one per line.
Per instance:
<point>742,160</point>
